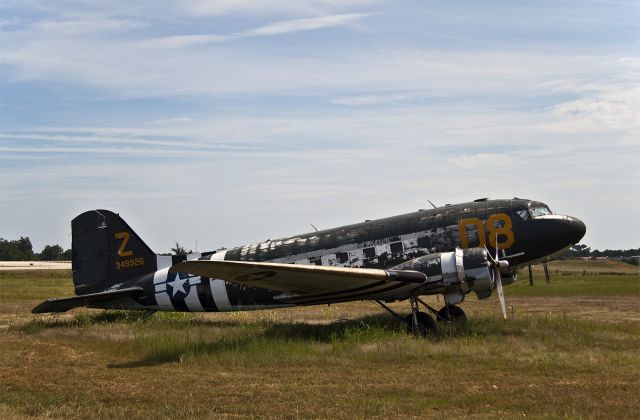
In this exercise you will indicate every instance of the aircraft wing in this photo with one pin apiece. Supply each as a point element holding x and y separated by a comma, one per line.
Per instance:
<point>297,278</point>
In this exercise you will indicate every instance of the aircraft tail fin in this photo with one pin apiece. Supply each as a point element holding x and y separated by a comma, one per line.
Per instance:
<point>107,253</point>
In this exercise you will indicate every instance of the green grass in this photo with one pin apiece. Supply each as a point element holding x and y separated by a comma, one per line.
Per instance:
<point>19,286</point>
<point>576,285</point>
<point>591,267</point>
<point>344,361</point>
<point>533,365</point>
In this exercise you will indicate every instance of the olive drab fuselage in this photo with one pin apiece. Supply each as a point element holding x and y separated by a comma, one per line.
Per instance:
<point>523,231</point>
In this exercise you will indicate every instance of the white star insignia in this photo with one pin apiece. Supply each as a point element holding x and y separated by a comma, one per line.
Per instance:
<point>178,285</point>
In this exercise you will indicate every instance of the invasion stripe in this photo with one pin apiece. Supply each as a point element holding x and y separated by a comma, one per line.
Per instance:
<point>220,296</point>
<point>206,298</point>
<point>192,300</point>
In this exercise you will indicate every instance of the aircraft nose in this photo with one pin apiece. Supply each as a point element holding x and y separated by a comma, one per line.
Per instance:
<point>575,229</point>
<point>554,232</point>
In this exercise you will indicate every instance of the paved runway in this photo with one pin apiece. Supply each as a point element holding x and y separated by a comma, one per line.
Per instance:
<point>34,265</point>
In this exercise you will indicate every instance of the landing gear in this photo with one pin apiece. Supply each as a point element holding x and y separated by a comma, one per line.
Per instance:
<point>419,323</point>
<point>452,313</point>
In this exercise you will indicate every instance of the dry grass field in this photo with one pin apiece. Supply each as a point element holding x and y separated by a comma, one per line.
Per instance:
<point>569,350</point>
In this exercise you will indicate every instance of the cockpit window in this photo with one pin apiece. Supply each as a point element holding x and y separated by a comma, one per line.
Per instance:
<point>524,214</point>
<point>539,211</point>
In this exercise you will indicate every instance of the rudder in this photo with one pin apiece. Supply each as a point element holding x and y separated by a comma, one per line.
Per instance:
<point>107,253</point>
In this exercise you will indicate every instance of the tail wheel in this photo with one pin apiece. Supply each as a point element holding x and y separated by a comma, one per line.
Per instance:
<point>452,313</point>
<point>426,324</point>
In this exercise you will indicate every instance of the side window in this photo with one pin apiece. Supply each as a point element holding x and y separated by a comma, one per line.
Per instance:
<point>396,248</point>
<point>369,252</point>
<point>424,242</point>
<point>315,261</point>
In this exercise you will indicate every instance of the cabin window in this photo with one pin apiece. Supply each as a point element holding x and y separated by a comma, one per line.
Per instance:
<point>369,252</point>
<point>342,257</point>
<point>315,261</point>
<point>424,242</point>
<point>396,247</point>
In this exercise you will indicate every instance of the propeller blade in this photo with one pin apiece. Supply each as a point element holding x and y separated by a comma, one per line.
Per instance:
<point>496,267</point>
<point>503,305</point>
<point>489,256</point>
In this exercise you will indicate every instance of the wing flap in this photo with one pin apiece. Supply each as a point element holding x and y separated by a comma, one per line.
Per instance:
<point>65,304</point>
<point>295,278</point>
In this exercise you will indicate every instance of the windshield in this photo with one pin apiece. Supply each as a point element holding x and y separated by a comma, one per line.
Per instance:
<point>539,211</point>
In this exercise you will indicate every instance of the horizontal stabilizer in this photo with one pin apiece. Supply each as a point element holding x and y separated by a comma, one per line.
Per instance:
<point>65,304</point>
<point>296,278</point>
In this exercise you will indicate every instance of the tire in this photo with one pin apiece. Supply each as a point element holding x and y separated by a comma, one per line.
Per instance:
<point>426,324</point>
<point>455,314</point>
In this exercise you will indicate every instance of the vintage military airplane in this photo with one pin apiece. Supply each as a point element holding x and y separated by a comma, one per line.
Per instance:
<point>446,250</point>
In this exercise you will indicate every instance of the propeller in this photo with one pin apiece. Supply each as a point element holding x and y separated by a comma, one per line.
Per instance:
<point>497,266</point>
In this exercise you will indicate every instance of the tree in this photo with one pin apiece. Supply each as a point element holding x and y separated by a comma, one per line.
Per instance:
<point>178,250</point>
<point>16,250</point>
<point>581,250</point>
<point>67,255</point>
<point>51,253</point>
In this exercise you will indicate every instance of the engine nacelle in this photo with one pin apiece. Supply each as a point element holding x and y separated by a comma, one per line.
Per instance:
<point>455,273</point>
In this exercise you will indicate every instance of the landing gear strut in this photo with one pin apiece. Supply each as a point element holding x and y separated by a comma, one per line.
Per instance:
<point>418,323</point>
<point>421,323</point>
<point>452,313</point>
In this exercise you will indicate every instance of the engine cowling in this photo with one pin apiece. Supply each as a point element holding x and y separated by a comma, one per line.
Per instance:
<point>455,273</point>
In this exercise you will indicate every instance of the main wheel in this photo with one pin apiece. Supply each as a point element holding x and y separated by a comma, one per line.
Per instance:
<point>426,324</point>
<point>454,314</point>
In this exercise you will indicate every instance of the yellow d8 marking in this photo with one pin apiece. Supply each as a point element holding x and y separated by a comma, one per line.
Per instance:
<point>125,238</point>
<point>462,226</point>
<point>494,228</point>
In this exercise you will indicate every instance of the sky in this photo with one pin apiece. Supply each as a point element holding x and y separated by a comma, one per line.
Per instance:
<point>220,123</point>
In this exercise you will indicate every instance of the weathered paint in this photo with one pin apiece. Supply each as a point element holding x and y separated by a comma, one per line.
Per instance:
<point>108,254</point>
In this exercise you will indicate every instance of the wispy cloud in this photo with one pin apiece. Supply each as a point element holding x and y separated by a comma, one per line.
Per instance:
<point>275,28</point>
<point>211,109</point>
<point>97,139</point>
<point>172,120</point>
<point>360,100</point>
<point>368,99</point>
<point>308,24</point>
<point>83,26</point>
<point>606,106</point>
<point>182,41</point>
<point>260,7</point>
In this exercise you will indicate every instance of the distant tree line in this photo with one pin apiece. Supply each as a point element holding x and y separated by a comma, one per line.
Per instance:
<point>583,251</point>
<point>22,250</point>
